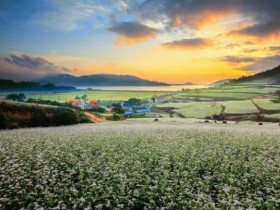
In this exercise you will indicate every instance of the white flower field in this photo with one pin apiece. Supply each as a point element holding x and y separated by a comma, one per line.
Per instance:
<point>141,164</point>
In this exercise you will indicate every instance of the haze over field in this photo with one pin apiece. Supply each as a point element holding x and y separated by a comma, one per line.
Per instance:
<point>171,41</point>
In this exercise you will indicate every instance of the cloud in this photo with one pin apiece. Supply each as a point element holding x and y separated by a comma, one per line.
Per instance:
<point>68,15</point>
<point>264,63</point>
<point>236,59</point>
<point>274,48</point>
<point>250,50</point>
<point>262,30</point>
<point>263,16</point>
<point>132,32</point>
<point>232,46</point>
<point>25,67</point>
<point>196,43</point>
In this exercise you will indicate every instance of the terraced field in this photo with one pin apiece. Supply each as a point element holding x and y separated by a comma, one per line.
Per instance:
<point>141,164</point>
<point>267,104</point>
<point>229,92</point>
<point>203,109</point>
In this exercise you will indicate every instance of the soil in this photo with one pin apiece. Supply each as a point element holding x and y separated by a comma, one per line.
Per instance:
<point>94,118</point>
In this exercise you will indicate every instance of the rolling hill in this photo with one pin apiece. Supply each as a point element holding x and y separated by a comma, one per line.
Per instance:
<point>98,80</point>
<point>271,76</point>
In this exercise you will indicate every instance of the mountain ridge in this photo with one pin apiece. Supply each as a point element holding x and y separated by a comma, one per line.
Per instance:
<point>98,80</point>
<point>272,76</point>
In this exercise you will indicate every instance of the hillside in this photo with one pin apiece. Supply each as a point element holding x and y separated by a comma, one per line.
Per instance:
<point>220,82</point>
<point>271,76</point>
<point>98,80</point>
<point>23,115</point>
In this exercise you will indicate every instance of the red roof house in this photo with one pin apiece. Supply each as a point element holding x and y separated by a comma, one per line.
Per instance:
<point>74,103</point>
<point>94,103</point>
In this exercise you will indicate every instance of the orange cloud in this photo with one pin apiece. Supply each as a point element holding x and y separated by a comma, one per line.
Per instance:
<point>196,43</point>
<point>132,32</point>
<point>255,32</point>
<point>126,41</point>
<point>199,20</point>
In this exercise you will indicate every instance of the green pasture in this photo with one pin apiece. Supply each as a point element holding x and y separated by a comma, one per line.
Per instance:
<point>92,95</point>
<point>230,92</point>
<point>203,109</point>
<point>267,104</point>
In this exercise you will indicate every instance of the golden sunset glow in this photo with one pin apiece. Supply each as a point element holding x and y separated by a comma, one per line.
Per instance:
<point>186,41</point>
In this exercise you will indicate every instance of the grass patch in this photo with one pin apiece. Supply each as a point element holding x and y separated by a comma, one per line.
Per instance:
<point>203,109</point>
<point>94,95</point>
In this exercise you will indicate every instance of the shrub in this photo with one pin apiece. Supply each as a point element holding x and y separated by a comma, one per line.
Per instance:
<point>4,122</point>
<point>39,118</point>
<point>117,108</point>
<point>65,117</point>
<point>97,109</point>
<point>116,117</point>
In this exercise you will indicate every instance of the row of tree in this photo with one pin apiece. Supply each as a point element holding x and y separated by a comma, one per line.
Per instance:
<point>16,97</point>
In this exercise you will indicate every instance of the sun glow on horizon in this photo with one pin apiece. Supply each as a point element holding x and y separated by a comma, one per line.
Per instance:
<point>193,41</point>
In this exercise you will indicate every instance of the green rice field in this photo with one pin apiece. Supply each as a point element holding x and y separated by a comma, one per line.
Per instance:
<point>203,109</point>
<point>228,92</point>
<point>92,95</point>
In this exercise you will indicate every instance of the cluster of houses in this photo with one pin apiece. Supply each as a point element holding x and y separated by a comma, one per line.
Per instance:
<point>128,108</point>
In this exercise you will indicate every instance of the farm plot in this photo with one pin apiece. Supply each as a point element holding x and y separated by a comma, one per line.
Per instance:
<point>96,95</point>
<point>267,104</point>
<point>141,164</point>
<point>203,109</point>
<point>233,92</point>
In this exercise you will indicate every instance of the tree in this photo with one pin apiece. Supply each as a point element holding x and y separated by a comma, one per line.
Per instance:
<point>78,98</point>
<point>153,99</point>
<point>16,97</point>
<point>21,97</point>
<point>117,108</point>
<point>134,101</point>
<point>12,96</point>
<point>84,98</point>
<point>65,117</point>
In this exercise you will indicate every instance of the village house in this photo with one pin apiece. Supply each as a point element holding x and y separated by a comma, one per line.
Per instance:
<point>94,103</point>
<point>83,105</point>
<point>131,109</point>
<point>74,103</point>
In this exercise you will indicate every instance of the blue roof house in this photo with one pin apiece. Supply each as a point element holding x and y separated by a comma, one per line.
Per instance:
<point>128,105</point>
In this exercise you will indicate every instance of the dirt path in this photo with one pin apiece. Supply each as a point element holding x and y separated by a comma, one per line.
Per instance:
<point>261,110</point>
<point>94,118</point>
<point>268,96</point>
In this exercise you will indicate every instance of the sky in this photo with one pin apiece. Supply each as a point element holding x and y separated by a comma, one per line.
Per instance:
<point>174,41</point>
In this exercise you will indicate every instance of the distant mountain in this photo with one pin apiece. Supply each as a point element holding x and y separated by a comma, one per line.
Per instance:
<point>98,80</point>
<point>186,83</point>
<point>220,82</point>
<point>31,86</point>
<point>189,83</point>
<point>271,76</point>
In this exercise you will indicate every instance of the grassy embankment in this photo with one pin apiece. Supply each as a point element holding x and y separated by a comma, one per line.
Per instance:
<point>235,98</point>
<point>228,92</point>
<point>22,115</point>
